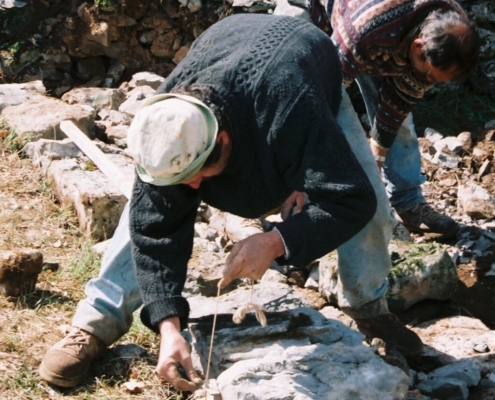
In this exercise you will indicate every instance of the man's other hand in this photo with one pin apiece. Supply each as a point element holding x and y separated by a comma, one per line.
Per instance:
<point>175,353</point>
<point>380,153</point>
<point>251,257</point>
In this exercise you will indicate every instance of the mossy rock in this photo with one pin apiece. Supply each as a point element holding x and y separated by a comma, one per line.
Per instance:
<point>421,272</point>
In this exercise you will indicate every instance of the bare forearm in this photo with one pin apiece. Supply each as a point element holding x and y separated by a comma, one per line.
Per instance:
<point>169,326</point>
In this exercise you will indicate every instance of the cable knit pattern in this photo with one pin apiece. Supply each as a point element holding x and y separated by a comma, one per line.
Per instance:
<point>280,81</point>
<point>373,38</point>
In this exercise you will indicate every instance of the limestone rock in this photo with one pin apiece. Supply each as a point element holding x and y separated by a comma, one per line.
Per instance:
<point>43,151</point>
<point>314,372</point>
<point>40,118</point>
<point>98,98</point>
<point>328,277</point>
<point>118,135</point>
<point>452,339</point>
<point>146,79</point>
<point>192,5</point>
<point>453,144</point>
<point>134,98</point>
<point>234,227</point>
<point>432,135</point>
<point>465,371</point>
<point>97,202</point>
<point>422,272</point>
<point>445,389</point>
<point>272,275</point>
<point>114,117</point>
<point>17,93</point>
<point>205,268</point>
<point>475,201</point>
<point>299,354</point>
<point>446,158</point>
<point>19,271</point>
<point>271,295</point>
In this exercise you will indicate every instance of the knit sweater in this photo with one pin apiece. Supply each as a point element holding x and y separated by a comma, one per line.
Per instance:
<point>373,38</point>
<point>279,79</point>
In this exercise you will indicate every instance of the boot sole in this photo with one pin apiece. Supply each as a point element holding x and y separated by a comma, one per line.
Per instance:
<point>58,380</point>
<point>445,235</point>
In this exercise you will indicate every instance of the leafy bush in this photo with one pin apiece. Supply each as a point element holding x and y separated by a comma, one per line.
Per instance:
<point>451,109</point>
<point>106,4</point>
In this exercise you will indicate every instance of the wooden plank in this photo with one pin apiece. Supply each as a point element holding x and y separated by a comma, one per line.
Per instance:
<point>111,171</point>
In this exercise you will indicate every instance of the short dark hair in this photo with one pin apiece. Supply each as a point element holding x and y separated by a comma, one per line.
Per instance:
<point>444,47</point>
<point>208,96</point>
<point>214,156</point>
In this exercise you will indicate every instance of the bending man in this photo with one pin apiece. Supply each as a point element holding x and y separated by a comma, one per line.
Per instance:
<point>244,120</point>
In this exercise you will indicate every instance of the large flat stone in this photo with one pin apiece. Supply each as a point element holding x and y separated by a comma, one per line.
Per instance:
<point>40,117</point>
<point>299,354</point>
<point>97,201</point>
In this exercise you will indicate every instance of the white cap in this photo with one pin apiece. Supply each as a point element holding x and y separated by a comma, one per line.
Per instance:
<point>171,137</point>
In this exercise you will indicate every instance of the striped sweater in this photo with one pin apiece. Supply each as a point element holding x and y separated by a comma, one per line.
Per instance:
<point>373,38</point>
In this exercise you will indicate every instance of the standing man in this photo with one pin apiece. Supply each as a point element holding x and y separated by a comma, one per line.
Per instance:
<point>247,118</point>
<point>396,50</point>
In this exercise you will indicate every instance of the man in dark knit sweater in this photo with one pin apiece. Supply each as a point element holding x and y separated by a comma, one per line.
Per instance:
<point>247,118</point>
<point>396,50</point>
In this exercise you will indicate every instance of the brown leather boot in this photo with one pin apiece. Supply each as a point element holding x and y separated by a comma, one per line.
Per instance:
<point>393,332</point>
<point>424,219</point>
<point>68,361</point>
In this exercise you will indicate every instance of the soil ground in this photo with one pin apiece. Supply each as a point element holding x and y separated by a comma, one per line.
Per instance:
<point>31,218</point>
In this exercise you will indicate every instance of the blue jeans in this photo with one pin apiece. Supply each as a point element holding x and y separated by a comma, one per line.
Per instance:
<point>364,262</point>
<point>402,167</point>
<point>114,295</point>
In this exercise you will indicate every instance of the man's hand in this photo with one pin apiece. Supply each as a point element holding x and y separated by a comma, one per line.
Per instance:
<point>175,352</point>
<point>379,153</point>
<point>251,257</point>
<point>297,200</point>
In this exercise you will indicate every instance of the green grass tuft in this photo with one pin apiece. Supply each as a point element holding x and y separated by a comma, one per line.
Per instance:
<point>13,143</point>
<point>83,266</point>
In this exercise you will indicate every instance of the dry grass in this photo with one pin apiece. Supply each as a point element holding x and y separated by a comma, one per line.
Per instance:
<point>31,218</point>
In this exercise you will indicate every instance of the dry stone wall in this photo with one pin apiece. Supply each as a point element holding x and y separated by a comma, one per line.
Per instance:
<point>75,43</point>
<point>71,44</point>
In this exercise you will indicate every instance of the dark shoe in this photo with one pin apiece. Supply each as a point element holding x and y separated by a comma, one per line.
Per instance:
<point>67,362</point>
<point>423,218</point>
<point>393,332</point>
